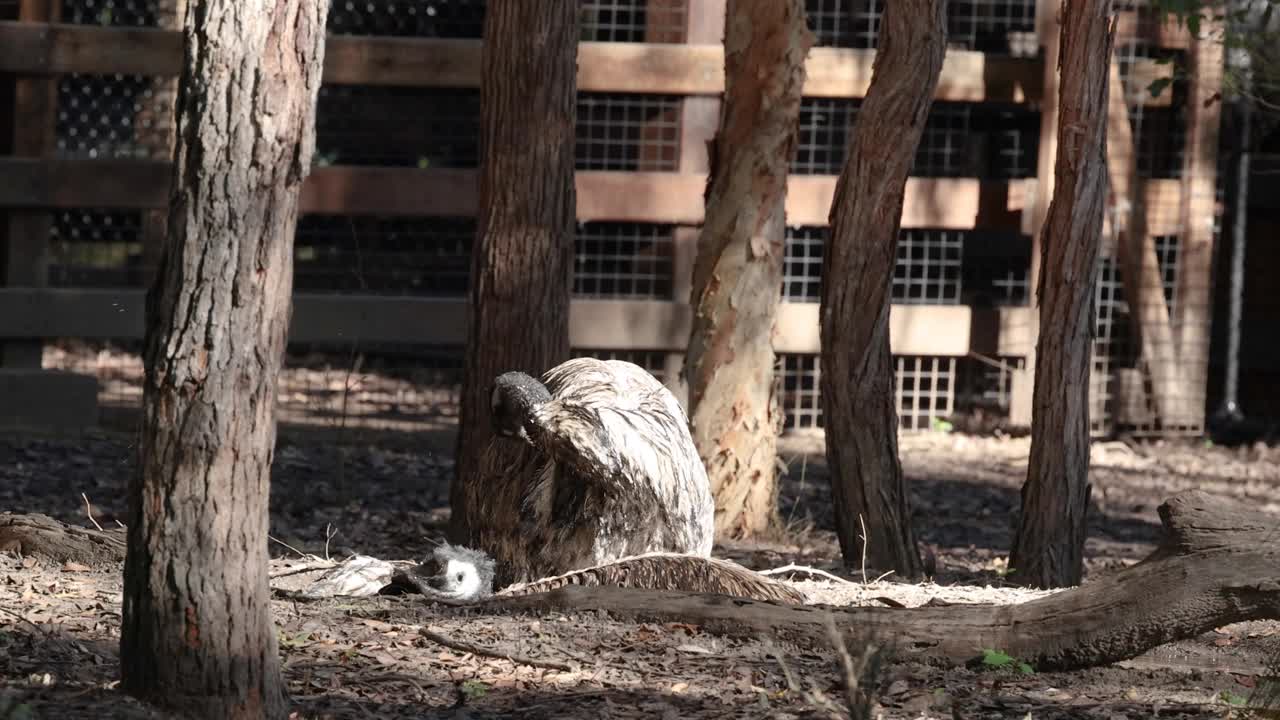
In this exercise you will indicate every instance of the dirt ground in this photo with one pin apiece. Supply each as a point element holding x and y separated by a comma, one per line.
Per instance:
<point>386,495</point>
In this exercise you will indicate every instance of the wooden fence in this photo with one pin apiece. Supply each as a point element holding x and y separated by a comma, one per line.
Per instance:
<point>34,182</point>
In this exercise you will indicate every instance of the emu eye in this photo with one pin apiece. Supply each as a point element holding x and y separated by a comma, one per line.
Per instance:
<point>459,577</point>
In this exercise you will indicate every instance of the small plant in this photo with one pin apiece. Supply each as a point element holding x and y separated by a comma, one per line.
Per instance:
<point>473,689</point>
<point>998,659</point>
<point>942,426</point>
<point>1232,699</point>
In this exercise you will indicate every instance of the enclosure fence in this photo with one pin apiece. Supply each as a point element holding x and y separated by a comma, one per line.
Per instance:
<point>382,251</point>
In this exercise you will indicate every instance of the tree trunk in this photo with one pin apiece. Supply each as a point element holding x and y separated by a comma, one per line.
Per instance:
<point>197,635</point>
<point>1048,547</point>
<point>858,403</point>
<point>735,411</point>
<point>522,263</point>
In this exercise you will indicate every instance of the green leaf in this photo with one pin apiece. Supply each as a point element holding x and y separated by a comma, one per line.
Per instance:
<point>996,658</point>
<point>1158,85</point>
<point>474,689</point>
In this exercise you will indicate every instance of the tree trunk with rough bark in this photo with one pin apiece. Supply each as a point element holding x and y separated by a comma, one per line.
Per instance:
<point>522,262</point>
<point>1048,547</point>
<point>197,636</point>
<point>735,411</point>
<point>858,403</point>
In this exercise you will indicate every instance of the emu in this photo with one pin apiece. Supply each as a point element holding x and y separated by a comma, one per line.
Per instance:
<point>591,464</point>
<point>458,576</point>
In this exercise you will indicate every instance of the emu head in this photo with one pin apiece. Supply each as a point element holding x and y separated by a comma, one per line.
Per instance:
<point>515,396</point>
<point>454,572</point>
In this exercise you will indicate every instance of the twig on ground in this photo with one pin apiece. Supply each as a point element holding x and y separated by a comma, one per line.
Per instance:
<point>329,532</point>
<point>864,548</point>
<point>859,705</point>
<point>808,570</point>
<point>306,567</point>
<point>487,652</point>
<point>21,618</point>
<point>301,554</point>
<point>88,510</point>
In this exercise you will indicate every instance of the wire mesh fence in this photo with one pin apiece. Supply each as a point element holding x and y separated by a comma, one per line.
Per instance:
<point>131,117</point>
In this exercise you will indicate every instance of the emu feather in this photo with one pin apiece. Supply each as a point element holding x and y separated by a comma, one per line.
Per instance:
<point>603,468</point>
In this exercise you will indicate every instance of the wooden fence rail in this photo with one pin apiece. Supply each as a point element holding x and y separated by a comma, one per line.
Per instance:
<point>597,324</point>
<point>622,196</point>
<point>661,68</point>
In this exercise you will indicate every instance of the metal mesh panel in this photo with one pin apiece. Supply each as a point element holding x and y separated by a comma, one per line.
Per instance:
<point>628,132</point>
<point>1125,396</point>
<point>654,361</point>
<point>398,126</point>
<point>366,125</point>
<point>992,26</point>
<point>96,248</point>
<point>408,18</point>
<point>111,116</point>
<point>140,13</point>
<point>924,390</point>
<point>959,139</point>
<point>634,20</point>
<point>802,264</point>
<point>928,267</point>
<point>623,260</point>
<point>985,385</point>
<point>927,271</point>
<point>800,390</point>
<point>365,254</point>
<point>995,269</point>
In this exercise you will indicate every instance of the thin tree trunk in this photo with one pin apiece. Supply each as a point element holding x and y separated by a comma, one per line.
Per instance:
<point>197,635</point>
<point>1048,548</point>
<point>858,403</point>
<point>522,262</point>
<point>734,409</point>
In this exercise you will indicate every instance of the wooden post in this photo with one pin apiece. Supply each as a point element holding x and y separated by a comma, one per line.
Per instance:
<point>699,120</point>
<point>1047,29</point>
<point>1193,312</point>
<point>26,261</point>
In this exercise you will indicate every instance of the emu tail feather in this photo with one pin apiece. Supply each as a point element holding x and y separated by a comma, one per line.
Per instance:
<point>669,571</point>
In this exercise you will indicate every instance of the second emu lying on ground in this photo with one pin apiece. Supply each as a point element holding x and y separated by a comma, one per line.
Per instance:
<point>458,574</point>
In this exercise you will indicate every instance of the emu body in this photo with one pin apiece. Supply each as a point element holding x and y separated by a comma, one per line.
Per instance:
<point>598,465</point>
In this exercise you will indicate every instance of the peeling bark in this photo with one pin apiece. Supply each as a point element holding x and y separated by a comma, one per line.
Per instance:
<point>735,412</point>
<point>1048,547</point>
<point>197,636</point>
<point>1219,563</point>
<point>857,387</point>
<point>522,262</point>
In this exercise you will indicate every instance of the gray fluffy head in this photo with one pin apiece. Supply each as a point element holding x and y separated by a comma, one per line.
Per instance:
<point>514,398</point>
<point>456,573</point>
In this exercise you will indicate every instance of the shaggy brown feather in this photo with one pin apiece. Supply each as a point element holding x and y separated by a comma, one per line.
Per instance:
<point>670,571</point>
<point>608,471</point>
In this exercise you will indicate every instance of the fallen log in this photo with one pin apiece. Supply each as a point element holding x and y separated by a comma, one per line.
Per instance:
<point>38,535</point>
<point>1218,564</point>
